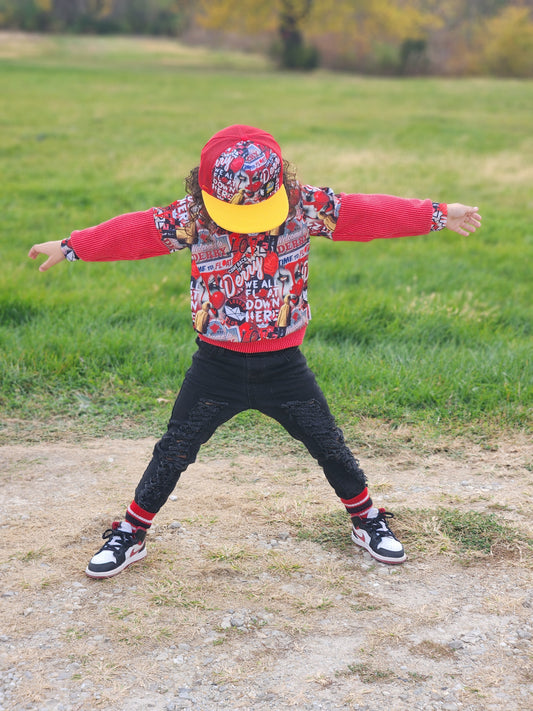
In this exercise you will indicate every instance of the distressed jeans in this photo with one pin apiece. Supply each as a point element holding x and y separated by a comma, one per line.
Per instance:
<point>221,383</point>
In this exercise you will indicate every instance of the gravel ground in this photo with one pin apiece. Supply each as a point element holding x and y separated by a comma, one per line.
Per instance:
<point>236,612</point>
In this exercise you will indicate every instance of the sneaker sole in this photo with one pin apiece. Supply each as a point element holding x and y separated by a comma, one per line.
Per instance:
<point>110,573</point>
<point>382,559</point>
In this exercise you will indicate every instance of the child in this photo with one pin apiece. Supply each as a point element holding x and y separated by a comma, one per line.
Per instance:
<point>247,222</point>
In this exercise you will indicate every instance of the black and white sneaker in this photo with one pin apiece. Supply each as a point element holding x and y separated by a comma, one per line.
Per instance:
<point>122,548</point>
<point>375,536</point>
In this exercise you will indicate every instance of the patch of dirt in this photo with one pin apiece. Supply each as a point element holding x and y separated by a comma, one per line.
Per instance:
<point>232,610</point>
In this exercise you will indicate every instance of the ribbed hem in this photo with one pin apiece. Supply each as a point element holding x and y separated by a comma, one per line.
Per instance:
<point>262,346</point>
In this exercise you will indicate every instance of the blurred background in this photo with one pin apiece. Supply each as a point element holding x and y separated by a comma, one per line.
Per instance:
<point>392,37</point>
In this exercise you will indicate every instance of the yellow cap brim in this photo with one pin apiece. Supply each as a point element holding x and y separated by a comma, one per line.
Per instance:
<point>248,219</point>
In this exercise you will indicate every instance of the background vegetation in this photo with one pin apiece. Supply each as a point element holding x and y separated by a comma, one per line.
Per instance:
<point>452,37</point>
<point>434,331</point>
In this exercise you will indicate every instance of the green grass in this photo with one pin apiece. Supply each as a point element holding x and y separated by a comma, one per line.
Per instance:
<point>463,534</point>
<point>472,530</point>
<point>367,674</point>
<point>434,331</point>
<point>466,534</point>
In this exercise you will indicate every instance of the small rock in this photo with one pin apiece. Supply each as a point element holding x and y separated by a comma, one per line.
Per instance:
<point>237,621</point>
<point>455,644</point>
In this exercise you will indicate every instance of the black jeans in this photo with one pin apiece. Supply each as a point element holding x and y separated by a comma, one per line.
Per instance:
<point>221,383</point>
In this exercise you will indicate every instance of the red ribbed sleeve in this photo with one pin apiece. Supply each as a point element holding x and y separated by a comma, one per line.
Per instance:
<point>126,237</point>
<point>366,217</point>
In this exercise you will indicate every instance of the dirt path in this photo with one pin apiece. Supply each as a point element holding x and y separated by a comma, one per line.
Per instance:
<point>231,610</point>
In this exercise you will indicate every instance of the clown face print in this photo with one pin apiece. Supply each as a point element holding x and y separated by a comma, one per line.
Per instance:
<point>246,173</point>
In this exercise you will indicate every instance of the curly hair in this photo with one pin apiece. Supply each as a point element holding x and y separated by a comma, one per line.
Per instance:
<point>197,209</point>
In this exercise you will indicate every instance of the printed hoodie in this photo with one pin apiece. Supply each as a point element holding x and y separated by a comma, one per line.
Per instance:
<point>249,292</point>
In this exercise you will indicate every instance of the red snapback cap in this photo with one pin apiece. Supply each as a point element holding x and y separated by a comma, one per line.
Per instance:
<point>241,178</point>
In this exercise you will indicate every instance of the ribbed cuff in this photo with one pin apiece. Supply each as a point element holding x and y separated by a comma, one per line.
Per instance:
<point>68,251</point>
<point>440,216</point>
<point>138,517</point>
<point>359,505</point>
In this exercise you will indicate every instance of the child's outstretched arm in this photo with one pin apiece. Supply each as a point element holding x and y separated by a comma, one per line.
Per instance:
<point>366,217</point>
<point>51,249</point>
<point>133,235</point>
<point>463,219</point>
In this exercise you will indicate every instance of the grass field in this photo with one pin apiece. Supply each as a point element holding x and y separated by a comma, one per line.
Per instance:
<point>434,331</point>
<point>423,347</point>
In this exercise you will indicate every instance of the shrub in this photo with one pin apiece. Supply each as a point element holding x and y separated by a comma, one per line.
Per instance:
<point>508,44</point>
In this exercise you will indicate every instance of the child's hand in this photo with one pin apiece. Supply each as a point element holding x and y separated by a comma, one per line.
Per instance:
<point>463,219</point>
<point>51,249</point>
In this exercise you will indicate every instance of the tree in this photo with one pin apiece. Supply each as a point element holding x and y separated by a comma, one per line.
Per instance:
<point>348,23</point>
<point>507,43</point>
<point>134,16</point>
<point>284,18</point>
<point>294,53</point>
<point>481,36</point>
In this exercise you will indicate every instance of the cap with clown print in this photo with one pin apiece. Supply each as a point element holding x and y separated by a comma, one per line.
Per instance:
<point>241,178</point>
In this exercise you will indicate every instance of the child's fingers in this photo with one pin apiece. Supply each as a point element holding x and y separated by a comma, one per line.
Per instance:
<point>51,261</point>
<point>474,218</point>
<point>463,219</point>
<point>46,265</point>
<point>51,250</point>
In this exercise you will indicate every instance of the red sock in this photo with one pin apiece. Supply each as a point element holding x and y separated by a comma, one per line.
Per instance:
<point>359,505</point>
<point>138,517</point>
